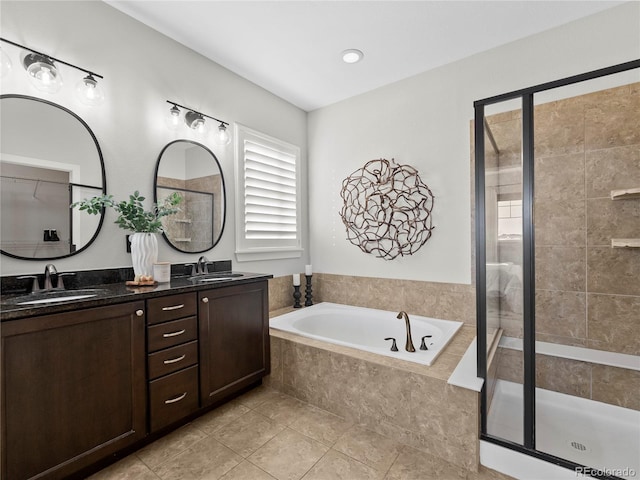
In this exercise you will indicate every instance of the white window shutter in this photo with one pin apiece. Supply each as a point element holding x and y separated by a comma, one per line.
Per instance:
<point>268,194</point>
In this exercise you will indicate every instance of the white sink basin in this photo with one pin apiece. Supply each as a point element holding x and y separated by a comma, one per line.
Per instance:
<point>56,299</point>
<point>45,297</point>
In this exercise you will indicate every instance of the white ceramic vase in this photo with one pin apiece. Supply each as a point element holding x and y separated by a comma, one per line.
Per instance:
<point>144,253</point>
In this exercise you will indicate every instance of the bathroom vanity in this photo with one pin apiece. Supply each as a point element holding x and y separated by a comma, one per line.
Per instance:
<point>85,380</point>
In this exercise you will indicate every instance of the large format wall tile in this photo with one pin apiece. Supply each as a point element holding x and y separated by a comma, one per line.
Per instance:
<point>614,323</point>
<point>280,292</point>
<point>560,268</point>
<point>613,270</point>
<point>561,313</point>
<point>613,122</point>
<point>607,219</point>
<point>560,222</point>
<point>617,386</point>
<point>612,169</point>
<point>559,177</point>
<point>563,375</point>
<point>559,128</point>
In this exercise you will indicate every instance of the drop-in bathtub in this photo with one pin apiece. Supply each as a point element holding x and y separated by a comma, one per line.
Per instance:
<point>367,328</point>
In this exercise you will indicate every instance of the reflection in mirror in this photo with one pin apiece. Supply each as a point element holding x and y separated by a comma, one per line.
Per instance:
<point>192,170</point>
<point>50,158</point>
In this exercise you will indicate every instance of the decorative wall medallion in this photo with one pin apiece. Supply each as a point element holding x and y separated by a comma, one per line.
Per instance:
<point>387,209</point>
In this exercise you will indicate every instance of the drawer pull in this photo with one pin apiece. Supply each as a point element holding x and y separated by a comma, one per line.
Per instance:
<point>174,360</point>
<point>205,300</point>
<point>173,334</point>
<point>173,307</point>
<point>176,399</point>
<point>139,312</point>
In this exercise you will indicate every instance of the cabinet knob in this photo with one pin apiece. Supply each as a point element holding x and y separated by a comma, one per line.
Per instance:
<point>139,313</point>
<point>205,300</point>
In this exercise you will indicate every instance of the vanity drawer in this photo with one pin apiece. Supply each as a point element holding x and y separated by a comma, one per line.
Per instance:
<point>172,333</point>
<point>172,359</point>
<point>173,397</point>
<point>171,307</point>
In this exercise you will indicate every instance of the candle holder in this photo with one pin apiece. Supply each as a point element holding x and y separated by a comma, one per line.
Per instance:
<point>308,296</point>
<point>296,296</point>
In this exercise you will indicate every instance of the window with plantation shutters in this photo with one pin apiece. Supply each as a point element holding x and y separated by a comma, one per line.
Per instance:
<point>268,221</point>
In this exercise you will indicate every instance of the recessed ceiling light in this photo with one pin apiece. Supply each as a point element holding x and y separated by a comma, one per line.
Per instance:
<point>352,55</point>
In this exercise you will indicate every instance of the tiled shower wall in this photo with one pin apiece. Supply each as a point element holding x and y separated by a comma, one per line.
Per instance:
<point>587,293</point>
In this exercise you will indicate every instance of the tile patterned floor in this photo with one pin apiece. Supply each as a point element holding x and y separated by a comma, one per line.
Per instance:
<point>266,435</point>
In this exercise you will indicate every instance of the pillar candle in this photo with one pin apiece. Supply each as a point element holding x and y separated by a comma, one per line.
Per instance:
<point>296,279</point>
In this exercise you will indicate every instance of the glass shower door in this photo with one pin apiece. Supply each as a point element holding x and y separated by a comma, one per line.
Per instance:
<point>502,139</point>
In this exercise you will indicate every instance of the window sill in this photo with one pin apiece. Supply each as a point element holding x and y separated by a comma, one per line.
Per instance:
<point>268,254</point>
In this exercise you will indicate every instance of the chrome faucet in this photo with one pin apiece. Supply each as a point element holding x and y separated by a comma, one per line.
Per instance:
<point>409,344</point>
<point>202,265</point>
<point>49,270</point>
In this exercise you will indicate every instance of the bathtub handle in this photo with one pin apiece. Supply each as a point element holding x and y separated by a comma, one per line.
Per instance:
<point>423,346</point>
<point>394,347</point>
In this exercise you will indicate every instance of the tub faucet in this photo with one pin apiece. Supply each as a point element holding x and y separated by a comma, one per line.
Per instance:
<point>202,265</point>
<point>49,270</point>
<point>409,344</point>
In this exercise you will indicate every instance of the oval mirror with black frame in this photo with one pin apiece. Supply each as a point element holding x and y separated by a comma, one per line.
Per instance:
<point>49,159</point>
<point>192,170</point>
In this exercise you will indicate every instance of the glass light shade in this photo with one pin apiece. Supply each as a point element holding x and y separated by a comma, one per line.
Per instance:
<point>172,118</point>
<point>42,72</point>
<point>222,136</point>
<point>89,92</point>
<point>5,64</point>
<point>196,122</point>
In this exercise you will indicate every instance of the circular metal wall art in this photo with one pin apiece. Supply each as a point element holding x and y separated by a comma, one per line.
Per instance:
<point>387,209</point>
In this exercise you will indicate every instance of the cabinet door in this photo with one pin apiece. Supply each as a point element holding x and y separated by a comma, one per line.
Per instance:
<point>73,389</point>
<point>234,339</point>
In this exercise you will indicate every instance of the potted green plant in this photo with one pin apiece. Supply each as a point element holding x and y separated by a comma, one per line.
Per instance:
<point>143,223</point>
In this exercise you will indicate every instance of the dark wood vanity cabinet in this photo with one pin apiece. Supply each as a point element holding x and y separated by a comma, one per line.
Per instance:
<point>172,361</point>
<point>234,339</point>
<point>73,389</point>
<point>82,386</point>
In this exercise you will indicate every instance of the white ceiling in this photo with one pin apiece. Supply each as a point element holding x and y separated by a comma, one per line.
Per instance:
<point>292,48</point>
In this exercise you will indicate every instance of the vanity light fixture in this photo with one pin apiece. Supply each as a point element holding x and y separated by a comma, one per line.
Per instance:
<point>45,75</point>
<point>352,55</point>
<point>197,121</point>
<point>222,137</point>
<point>173,118</point>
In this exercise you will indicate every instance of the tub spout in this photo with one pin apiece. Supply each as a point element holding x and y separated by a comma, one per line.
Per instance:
<point>409,343</point>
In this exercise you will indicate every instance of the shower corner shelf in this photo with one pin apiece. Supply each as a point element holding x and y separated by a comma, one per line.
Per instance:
<point>625,243</point>
<point>185,239</point>
<point>625,194</point>
<point>182,220</point>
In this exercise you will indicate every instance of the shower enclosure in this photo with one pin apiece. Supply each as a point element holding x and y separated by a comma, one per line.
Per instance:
<point>557,180</point>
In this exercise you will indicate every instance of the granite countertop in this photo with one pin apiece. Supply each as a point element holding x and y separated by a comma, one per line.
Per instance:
<point>113,293</point>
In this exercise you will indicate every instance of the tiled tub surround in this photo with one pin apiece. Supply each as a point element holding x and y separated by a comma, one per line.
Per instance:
<point>447,301</point>
<point>409,403</point>
<point>370,330</point>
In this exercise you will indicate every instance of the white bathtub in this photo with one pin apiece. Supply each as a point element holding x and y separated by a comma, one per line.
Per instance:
<point>366,329</point>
